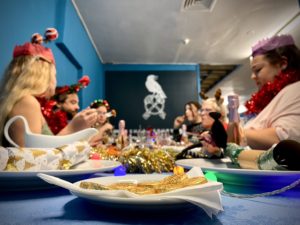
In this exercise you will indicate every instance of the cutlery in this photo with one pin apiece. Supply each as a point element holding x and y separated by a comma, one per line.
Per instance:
<point>112,113</point>
<point>59,182</point>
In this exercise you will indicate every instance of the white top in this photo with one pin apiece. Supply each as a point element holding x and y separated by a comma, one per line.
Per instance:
<point>283,113</point>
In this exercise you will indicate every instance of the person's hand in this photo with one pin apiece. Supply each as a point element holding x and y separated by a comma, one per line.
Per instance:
<point>236,134</point>
<point>208,144</point>
<point>96,140</point>
<point>84,119</point>
<point>179,121</point>
<point>106,127</point>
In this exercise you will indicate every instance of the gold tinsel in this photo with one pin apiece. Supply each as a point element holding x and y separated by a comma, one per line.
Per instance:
<point>140,160</point>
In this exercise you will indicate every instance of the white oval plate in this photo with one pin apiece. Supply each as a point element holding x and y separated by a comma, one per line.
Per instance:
<point>25,180</point>
<point>141,203</point>
<point>242,180</point>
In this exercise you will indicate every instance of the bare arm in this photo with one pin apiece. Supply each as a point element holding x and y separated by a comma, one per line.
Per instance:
<point>84,119</point>
<point>97,139</point>
<point>106,127</point>
<point>261,139</point>
<point>28,107</point>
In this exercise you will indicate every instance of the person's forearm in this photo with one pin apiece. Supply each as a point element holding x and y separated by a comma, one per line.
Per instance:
<point>261,139</point>
<point>67,130</point>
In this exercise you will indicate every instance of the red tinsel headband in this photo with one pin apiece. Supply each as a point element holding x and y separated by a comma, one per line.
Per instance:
<point>74,88</point>
<point>35,48</point>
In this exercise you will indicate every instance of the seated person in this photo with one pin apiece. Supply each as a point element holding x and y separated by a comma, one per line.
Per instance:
<point>214,137</point>
<point>102,124</point>
<point>274,108</point>
<point>191,119</point>
<point>63,106</point>
<point>213,105</point>
<point>276,105</point>
<point>30,75</point>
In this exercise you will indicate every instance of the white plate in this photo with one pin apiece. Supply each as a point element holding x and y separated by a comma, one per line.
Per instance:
<point>242,180</point>
<point>152,202</point>
<point>27,180</point>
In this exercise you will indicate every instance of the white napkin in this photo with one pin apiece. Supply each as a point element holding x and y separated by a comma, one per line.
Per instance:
<point>206,196</point>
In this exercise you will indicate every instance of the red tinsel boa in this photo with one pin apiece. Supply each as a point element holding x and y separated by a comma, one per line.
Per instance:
<point>264,96</point>
<point>56,118</point>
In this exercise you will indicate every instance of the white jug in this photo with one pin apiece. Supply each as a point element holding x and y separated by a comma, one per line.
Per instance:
<point>47,141</point>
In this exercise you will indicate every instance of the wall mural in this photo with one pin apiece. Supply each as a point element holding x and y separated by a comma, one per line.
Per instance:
<point>154,103</point>
<point>149,98</point>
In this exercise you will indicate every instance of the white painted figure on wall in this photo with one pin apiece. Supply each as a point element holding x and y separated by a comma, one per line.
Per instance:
<point>154,103</point>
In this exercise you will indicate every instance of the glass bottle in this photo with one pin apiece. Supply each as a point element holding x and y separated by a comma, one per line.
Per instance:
<point>235,130</point>
<point>122,136</point>
<point>184,136</point>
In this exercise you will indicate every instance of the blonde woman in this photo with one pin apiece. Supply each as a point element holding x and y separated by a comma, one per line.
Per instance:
<point>214,138</point>
<point>210,105</point>
<point>213,105</point>
<point>32,74</point>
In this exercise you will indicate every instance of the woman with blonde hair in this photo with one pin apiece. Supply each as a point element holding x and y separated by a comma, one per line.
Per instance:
<point>214,104</point>
<point>213,138</point>
<point>32,74</point>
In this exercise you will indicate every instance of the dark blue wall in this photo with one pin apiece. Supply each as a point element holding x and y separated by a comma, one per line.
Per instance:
<point>126,91</point>
<point>157,67</point>
<point>74,52</point>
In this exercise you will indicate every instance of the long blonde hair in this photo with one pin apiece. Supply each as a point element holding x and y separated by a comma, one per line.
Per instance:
<point>25,75</point>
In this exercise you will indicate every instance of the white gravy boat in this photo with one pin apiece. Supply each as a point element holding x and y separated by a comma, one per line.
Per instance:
<point>47,141</point>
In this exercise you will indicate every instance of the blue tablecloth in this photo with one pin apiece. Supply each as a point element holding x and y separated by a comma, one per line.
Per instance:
<point>58,206</point>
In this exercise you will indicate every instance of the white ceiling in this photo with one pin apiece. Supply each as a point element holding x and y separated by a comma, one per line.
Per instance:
<point>152,32</point>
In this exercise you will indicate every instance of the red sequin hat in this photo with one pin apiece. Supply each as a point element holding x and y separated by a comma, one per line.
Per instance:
<point>35,47</point>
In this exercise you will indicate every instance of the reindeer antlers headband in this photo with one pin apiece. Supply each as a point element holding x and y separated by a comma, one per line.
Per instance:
<point>218,96</point>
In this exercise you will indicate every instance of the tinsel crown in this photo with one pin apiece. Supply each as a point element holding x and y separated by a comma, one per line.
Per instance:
<point>99,102</point>
<point>272,43</point>
<point>74,88</point>
<point>35,47</point>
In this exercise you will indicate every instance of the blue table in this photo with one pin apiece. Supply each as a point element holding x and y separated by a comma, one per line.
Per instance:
<point>58,206</point>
